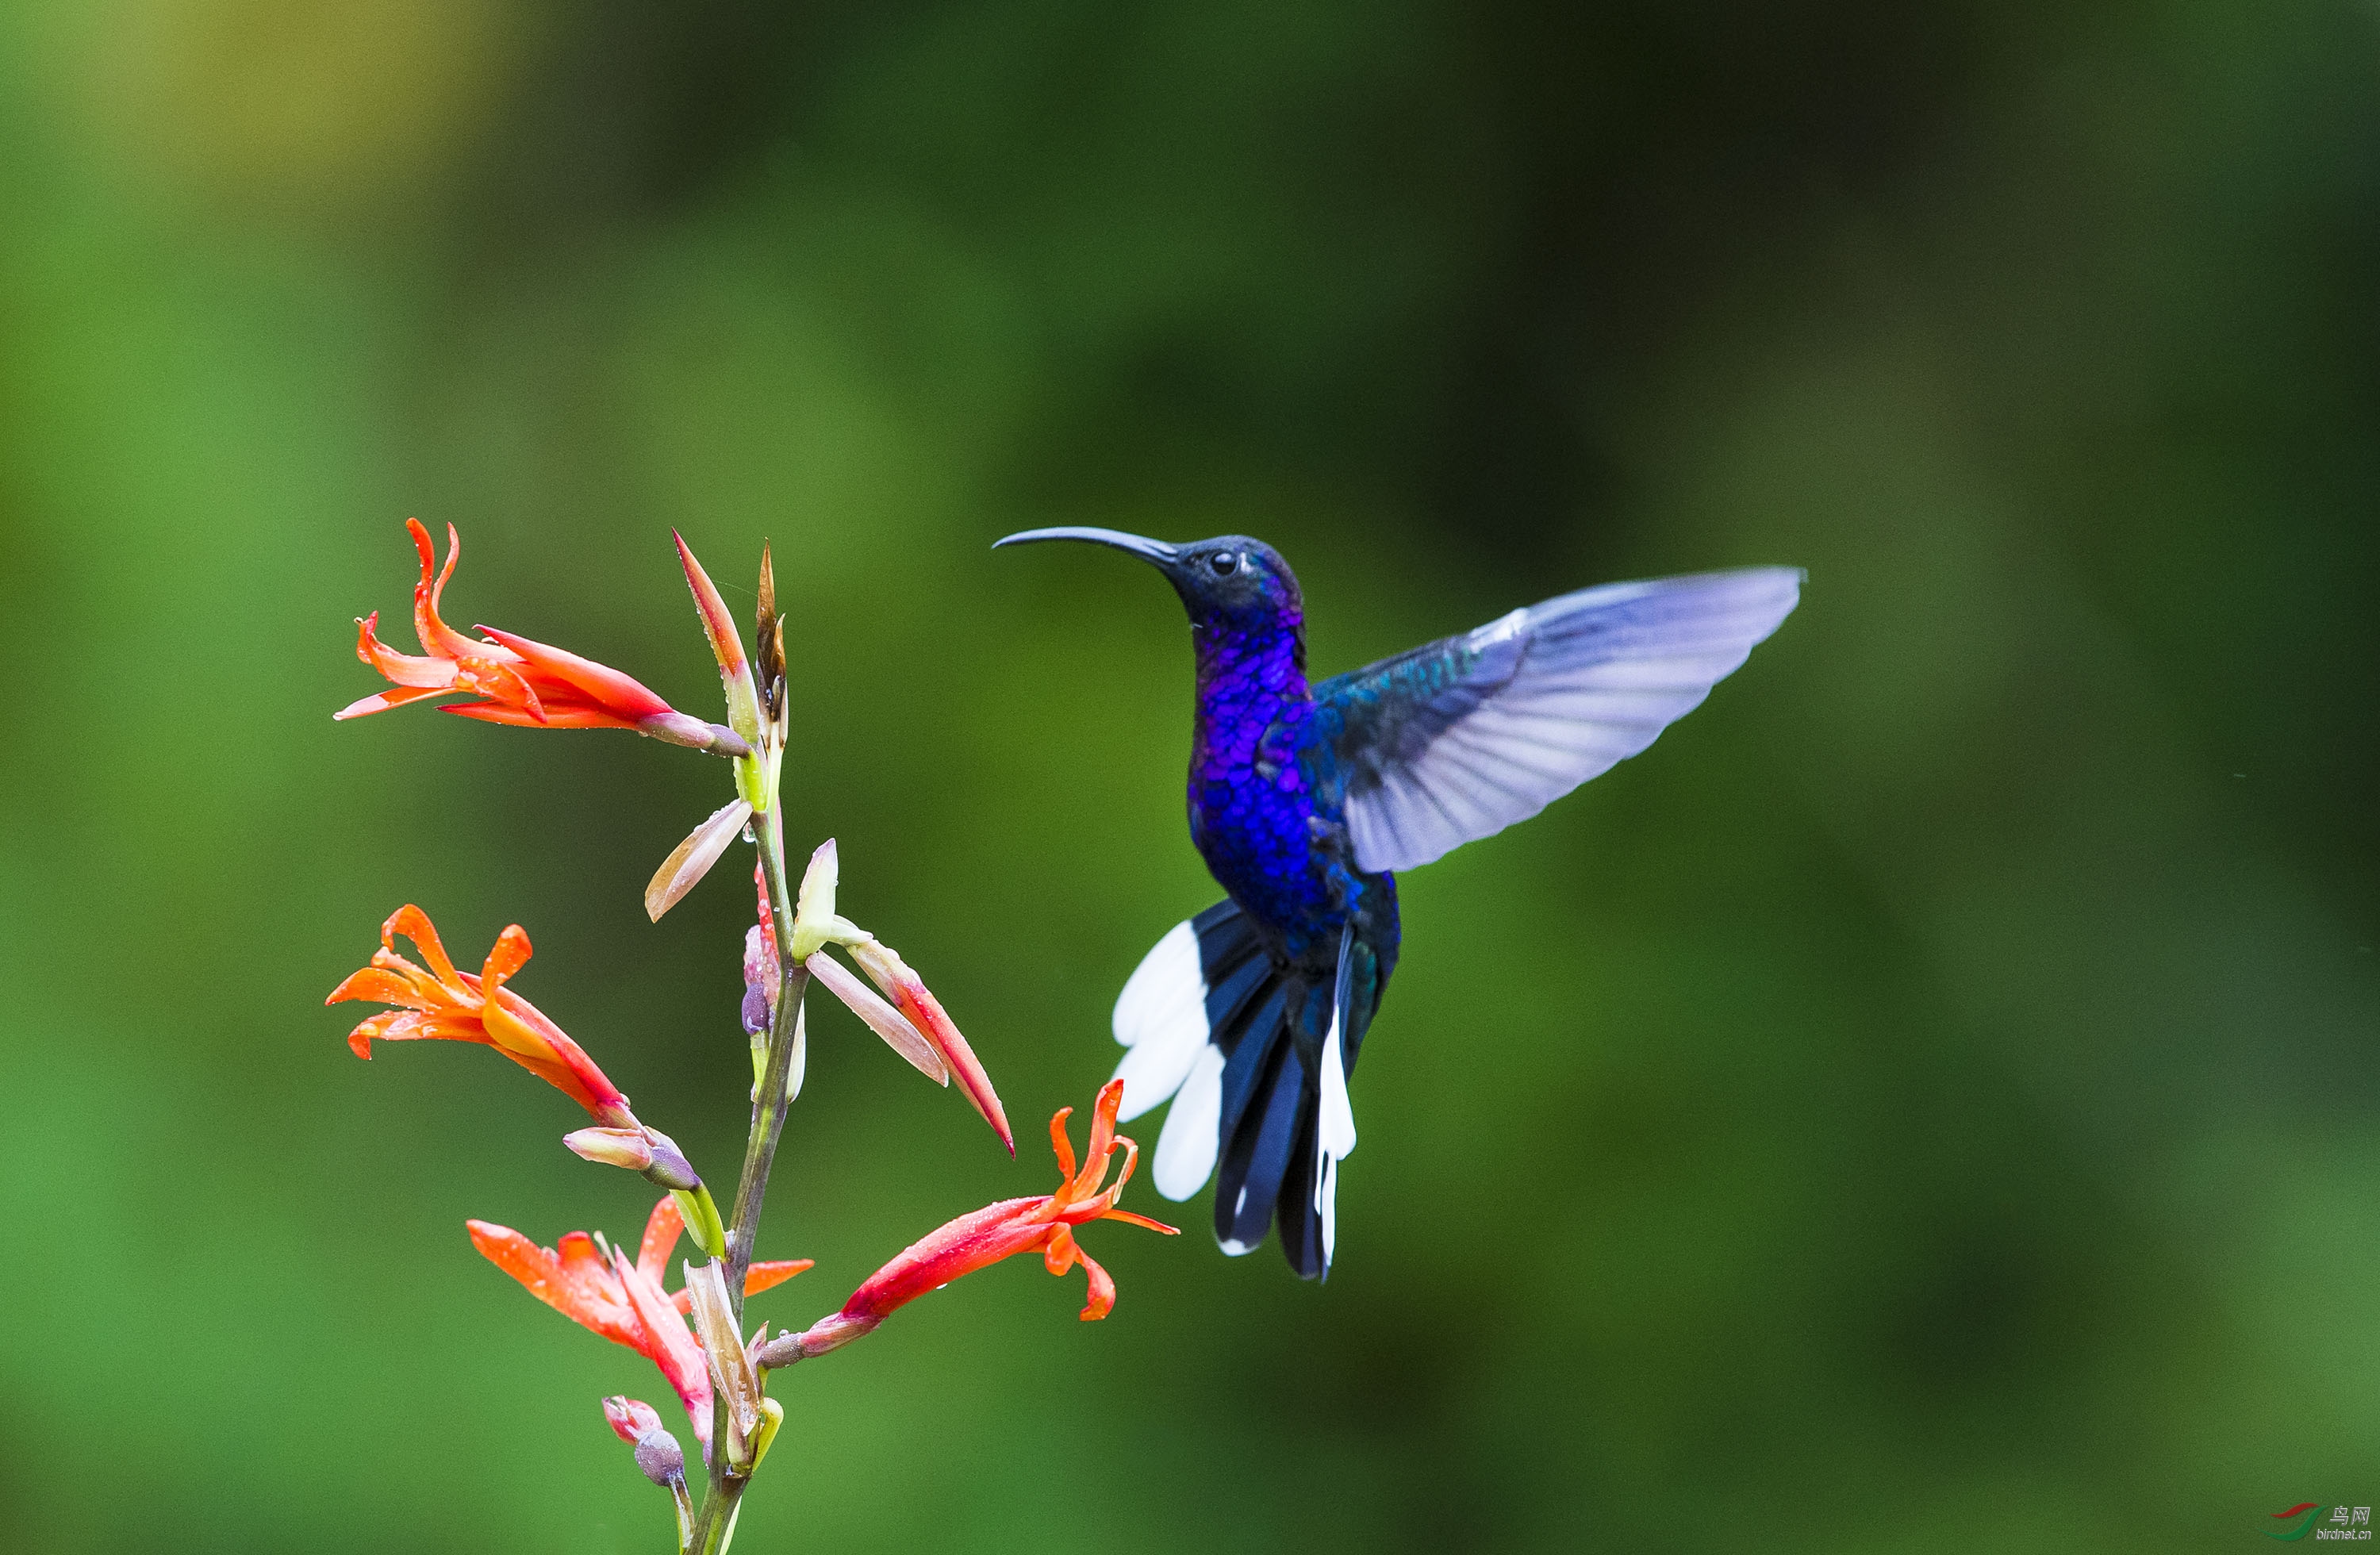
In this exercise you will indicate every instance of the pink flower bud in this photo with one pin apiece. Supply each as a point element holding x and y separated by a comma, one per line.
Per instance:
<point>632,1418</point>
<point>726,646</point>
<point>611,1147</point>
<point>923,1011</point>
<point>659,1457</point>
<point>831,1332</point>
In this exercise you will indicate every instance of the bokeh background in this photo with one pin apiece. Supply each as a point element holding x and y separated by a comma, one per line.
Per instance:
<point>1929,1101</point>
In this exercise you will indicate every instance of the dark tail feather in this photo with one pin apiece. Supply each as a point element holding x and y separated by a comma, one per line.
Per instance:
<point>1298,1208</point>
<point>1265,1121</point>
<point>1295,1203</point>
<point>1247,1053</point>
<point>1247,1007</point>
<point>1248,1178</point>
<point>1246,997</point>
<point>1270,1117</point>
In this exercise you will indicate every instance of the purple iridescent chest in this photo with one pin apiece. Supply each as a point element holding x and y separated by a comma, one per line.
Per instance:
<point>1252,813</point>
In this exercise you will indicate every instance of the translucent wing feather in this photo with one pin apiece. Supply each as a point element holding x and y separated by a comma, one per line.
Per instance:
<point>1462,738</point>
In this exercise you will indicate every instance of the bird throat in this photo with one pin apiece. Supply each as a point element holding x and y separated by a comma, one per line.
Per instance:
<point>1248,676</point>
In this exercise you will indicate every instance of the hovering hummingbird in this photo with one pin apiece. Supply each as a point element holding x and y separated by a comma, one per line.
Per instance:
<point>1304,801</point>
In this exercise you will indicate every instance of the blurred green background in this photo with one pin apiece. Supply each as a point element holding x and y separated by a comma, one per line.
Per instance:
<point>1927,1102</point>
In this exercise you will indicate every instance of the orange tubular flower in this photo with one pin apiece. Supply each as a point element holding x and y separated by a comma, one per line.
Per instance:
<point>522,682</point>
<point>599,1290</point>
<point>1043,1225</point>
<point>442,1002</point>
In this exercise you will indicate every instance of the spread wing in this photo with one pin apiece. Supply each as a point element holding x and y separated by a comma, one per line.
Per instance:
<point>1460,738</point>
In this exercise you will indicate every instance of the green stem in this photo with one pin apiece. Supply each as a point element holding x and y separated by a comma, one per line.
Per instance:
<point>716,1523</point>
<point>714,1531</point>
<point>768,1109</point>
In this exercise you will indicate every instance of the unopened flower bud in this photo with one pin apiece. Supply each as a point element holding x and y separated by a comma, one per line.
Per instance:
<point>660,1458</point>
<point>632,1419</point>
<point>831,1332</point>
<point>918,1004</point>
<point>611,1147</point>
<point>726,645</point>
<point>646,1150</point>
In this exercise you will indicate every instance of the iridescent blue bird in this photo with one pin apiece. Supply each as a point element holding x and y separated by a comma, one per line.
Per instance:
<point>1306,800</point>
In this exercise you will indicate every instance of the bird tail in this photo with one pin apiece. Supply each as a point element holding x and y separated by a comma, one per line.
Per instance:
<point>1208,1019</point>
<point>1268,1122</point>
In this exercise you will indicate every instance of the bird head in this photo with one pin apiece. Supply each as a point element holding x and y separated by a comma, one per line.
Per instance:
<point>1230,580</point>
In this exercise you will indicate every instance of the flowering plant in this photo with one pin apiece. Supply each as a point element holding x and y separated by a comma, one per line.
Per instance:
<point>696,1335</point>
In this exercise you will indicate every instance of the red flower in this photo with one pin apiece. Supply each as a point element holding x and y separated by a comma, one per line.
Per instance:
<point>520,681</point>
<point>442,1003</point>
<point>599,1289</point>
<point>1042,1224</point>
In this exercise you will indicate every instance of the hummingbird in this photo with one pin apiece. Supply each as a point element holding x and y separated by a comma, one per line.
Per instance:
<point>1306,800</point>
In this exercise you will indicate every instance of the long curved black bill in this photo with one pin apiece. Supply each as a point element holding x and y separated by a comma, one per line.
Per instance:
<point>1139,545</point>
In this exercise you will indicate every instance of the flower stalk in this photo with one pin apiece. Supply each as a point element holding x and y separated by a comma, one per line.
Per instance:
<point>715,1523</point>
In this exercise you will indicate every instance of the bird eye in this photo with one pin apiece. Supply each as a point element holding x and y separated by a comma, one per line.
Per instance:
<point>1224,563</point>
